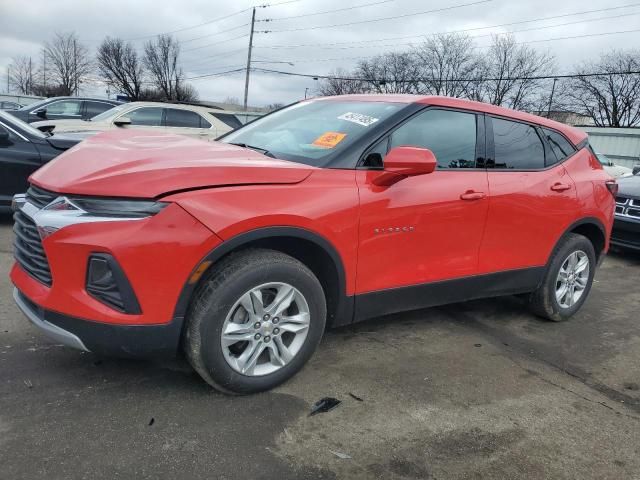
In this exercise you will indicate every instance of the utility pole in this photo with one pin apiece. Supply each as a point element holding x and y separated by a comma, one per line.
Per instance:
<point>246,81</point>
<point>553,89</point>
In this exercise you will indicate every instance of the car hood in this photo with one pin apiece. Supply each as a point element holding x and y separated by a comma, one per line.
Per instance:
<point>145,164</point>
<point>66,125</point>
<point>629,186</point>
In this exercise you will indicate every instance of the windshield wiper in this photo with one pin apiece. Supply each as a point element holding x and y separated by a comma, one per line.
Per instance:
<point>257,149</point>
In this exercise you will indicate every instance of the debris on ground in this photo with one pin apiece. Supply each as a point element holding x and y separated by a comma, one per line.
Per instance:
<point>355,397</point>
<point>324,405</point>
<point>28,383</point>
<point>152,421</point>
<point>341,455</point>
<point>477,344</point>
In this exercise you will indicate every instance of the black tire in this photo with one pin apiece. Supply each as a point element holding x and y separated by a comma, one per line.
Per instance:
<point>543,301</point>
<point>216,295</point>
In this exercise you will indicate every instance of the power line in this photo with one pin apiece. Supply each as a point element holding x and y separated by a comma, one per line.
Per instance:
<point>316,27</point>
<point>451,80</point>
<point>218,74</point>
<point>473,37</point>
<point>326,11</point>
<point>216,34</point>
<point>583,12</point>
<point>216,43</point>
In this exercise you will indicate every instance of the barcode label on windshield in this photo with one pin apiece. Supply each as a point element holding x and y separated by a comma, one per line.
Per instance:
<point>359,118</point>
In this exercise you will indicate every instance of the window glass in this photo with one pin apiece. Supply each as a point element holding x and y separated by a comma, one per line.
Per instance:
<point>151,116</point>
<point>451,136</point>
<point>314,131</point>
<point>110,113</point>
<point>228,119</point>
<point>94,108</point>
<point>64,107</point>
<point>560,145</point>
<point>517,145</point>
<point>182,118</point>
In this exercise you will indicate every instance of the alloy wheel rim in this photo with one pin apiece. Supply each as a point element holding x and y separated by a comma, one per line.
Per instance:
<point>265,329</point>
<point>573,278</point>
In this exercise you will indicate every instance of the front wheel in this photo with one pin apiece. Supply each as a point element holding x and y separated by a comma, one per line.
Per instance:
<point>255,321</point>
<point>567,281</point>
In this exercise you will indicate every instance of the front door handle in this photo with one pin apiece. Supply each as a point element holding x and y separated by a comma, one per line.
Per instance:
<point>560,187</point>
<point>472,195</point>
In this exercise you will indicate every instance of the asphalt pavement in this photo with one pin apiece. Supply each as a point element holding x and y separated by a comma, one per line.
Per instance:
<point>481,389</point>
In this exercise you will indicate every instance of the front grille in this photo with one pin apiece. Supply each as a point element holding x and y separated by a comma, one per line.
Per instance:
<point>633,212</point>
<point>28,250</point>
<point>621,200</point>
<point>39,197</point>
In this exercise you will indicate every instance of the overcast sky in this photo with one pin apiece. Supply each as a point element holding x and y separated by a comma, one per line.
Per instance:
<point>26,24</point>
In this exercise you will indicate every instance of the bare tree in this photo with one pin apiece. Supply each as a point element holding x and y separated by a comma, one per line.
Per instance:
<point>21,73</point>
<point>448,65</point>
<point>341,83</point>
<point>121,67</point>
<point>611,100</point>
<point>68,62</point>
<point>186,92</point>
<point>390,73</point>
<point>509,68</point>
<point>161,59</point>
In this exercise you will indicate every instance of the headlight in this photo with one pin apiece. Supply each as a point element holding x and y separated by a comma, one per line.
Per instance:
<point>104,207</point>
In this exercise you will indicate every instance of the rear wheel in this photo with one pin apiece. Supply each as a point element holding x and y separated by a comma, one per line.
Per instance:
<point>255,321</point>
<point>567,281</point>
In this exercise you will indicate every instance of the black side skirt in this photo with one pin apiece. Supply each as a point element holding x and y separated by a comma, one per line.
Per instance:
<point>415,297</point>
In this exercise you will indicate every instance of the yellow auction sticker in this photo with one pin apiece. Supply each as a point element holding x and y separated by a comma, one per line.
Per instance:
<point>329,139</point>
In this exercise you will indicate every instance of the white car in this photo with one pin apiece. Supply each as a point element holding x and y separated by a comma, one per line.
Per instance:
<point>203,122</point>
<point>616,171</point>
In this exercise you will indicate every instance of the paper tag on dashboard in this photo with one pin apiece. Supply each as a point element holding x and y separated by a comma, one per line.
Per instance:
<point>359,118</point>
<point>329,139</point>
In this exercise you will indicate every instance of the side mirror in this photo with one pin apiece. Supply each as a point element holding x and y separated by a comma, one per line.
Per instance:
<point>122,121</point>
<point>41,112</point>
<point>402,162</point>
<point>636,169</point>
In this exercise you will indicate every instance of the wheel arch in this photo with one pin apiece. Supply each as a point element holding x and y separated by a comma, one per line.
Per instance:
<point>310,248</point>
<point>591,228</point>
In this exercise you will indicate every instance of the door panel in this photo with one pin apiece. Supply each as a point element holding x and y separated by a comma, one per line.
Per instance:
<point>419,229</point>
<point>18,159</point>
<point>530,204</point>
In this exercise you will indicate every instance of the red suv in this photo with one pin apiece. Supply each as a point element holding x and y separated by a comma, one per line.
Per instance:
<point>330,211</point>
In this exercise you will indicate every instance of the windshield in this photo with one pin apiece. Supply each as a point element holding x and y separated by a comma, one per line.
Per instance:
<point>35,105</point>
<point>308,132</point>
<point>108,113</point>
<point>16,123</point>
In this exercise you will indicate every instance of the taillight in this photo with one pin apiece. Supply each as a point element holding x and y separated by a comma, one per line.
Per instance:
<point>612,186</point>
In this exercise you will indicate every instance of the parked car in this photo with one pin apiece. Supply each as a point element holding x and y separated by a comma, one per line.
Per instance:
<point>616,171</point>
<point>191,120</point>
<point>626,227</point>
<point>10,106</point>
<point>24,149</point>
<point>58,108</point>
<point>330,211</point>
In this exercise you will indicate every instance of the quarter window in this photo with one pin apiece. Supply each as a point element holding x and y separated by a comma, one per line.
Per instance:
<point>517,146</point>
<point>146,116</point>
<point>66,107</point>
<point>228,119</point>
<point>560,145</point>
<point>450,135</point>
<point>182,118</point>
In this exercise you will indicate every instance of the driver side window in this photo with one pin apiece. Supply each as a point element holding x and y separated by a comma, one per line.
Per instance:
<point>450,135</point>
<point>151,117</point>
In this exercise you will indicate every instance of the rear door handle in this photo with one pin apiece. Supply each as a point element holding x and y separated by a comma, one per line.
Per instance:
<point>560,187</point>
<point>471,195</point>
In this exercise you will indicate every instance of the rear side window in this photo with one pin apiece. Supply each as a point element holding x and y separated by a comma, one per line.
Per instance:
<point>450,135</point>
<point>228,119</point>
<point>182,118</point>
<point>560,145</point>
<point>64,107</point>
<point>95,108</point>
<point>517,146</point>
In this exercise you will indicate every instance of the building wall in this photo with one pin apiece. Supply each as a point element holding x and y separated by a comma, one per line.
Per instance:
<point>622,145</point>
<point>21,99</point>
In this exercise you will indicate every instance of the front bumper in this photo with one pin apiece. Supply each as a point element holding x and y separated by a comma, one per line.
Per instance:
<point>102,338</point>
<point>626,233</point>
